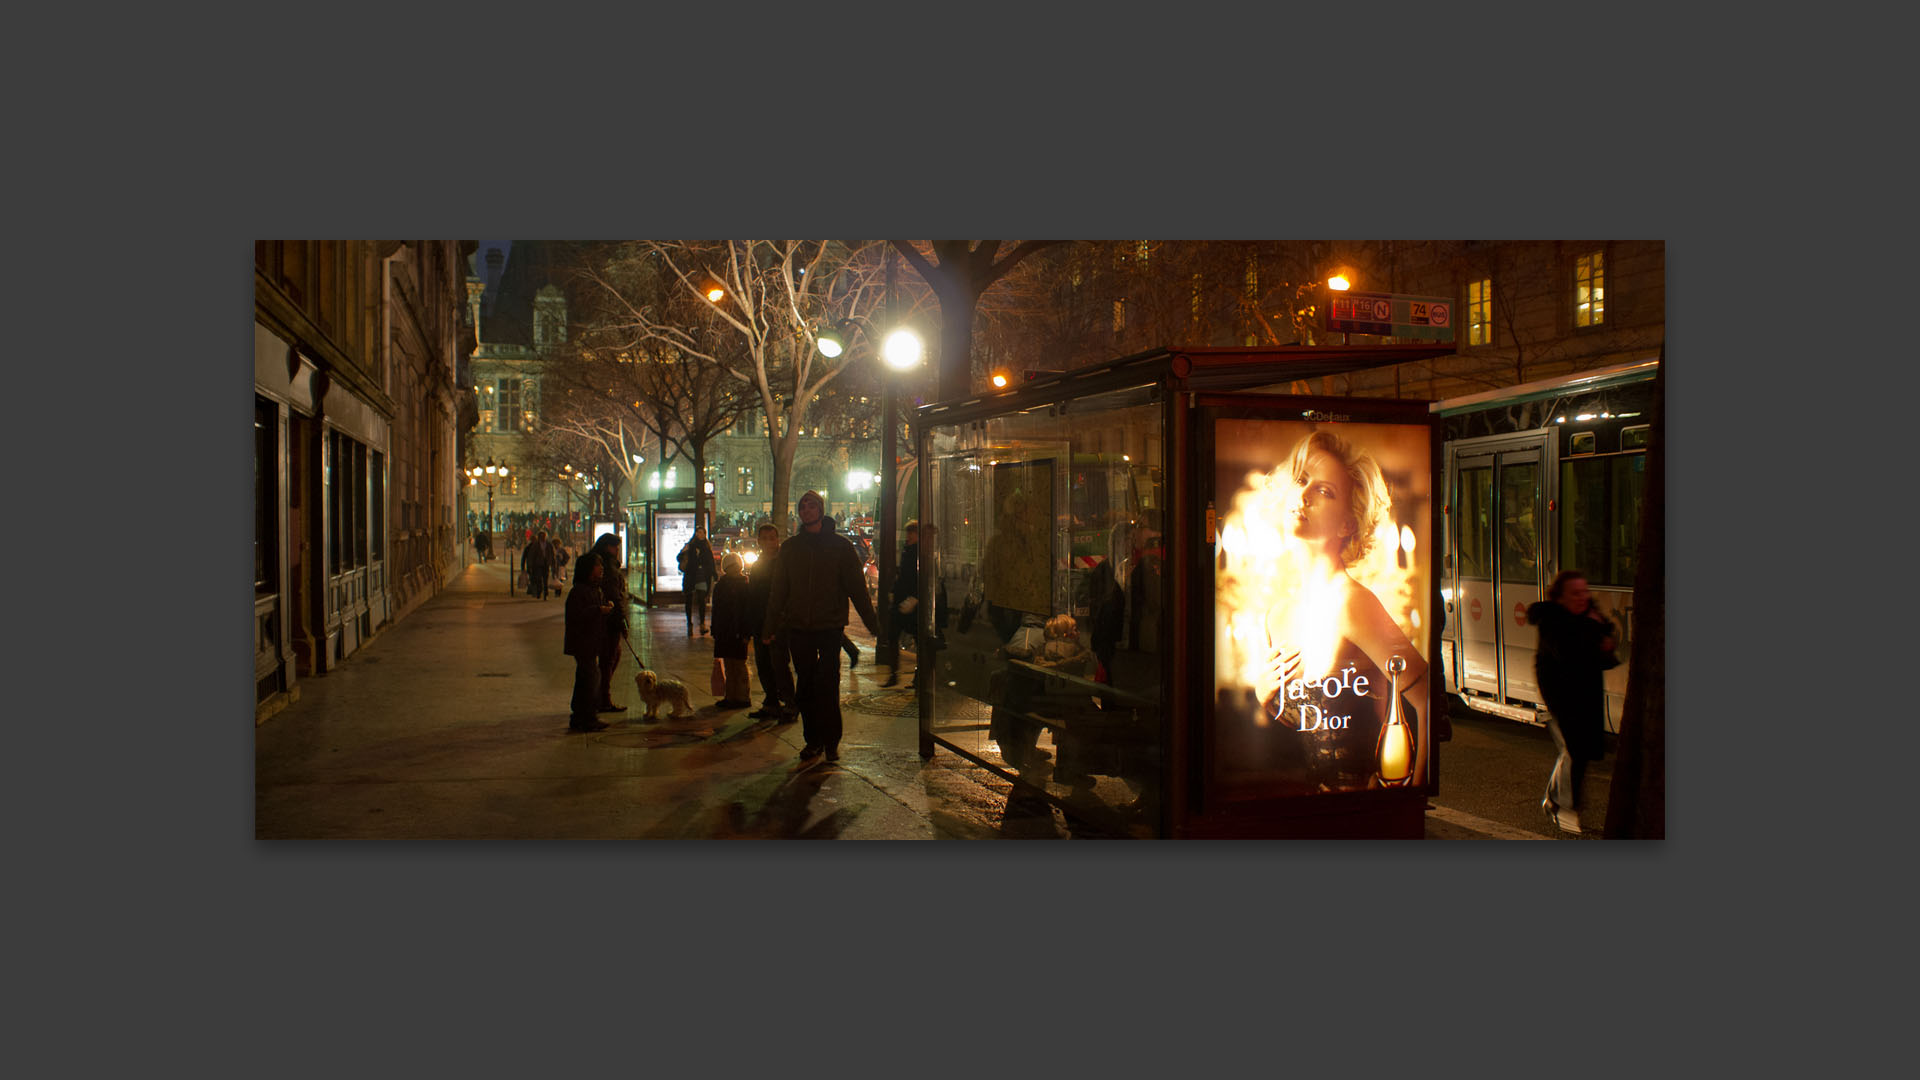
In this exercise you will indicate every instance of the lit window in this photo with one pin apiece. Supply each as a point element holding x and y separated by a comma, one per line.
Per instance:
<point>511,416</point>
<point>1589,289</point>
<point>743,483</point>
<point>1480,312</point>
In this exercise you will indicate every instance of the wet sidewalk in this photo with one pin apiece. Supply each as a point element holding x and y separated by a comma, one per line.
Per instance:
<point>453,724</point>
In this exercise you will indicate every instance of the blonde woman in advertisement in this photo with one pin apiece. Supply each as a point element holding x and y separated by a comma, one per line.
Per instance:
<point>1328,651</point>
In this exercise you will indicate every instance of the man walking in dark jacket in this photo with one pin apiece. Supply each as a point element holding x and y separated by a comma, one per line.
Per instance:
<point>818,574</point>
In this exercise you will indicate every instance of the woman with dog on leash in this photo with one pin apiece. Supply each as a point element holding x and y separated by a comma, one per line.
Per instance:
<point>613,584</point>
<point>587,611</point>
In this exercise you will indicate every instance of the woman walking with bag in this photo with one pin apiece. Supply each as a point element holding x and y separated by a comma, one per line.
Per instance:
<point>1576,648</point>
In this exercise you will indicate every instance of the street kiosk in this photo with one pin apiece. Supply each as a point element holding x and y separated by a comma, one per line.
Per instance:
<point>1176,595</point>
<point>669,522</point>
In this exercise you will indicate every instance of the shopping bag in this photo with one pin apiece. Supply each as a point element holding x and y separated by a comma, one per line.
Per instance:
<point>719,681</point>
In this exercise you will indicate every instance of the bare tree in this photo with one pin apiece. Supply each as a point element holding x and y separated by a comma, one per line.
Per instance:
<point>754,310</point>
<point>959,272</point>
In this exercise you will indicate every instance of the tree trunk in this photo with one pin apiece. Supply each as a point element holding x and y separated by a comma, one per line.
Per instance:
<point>957,301</point>
<point>1637,801</point>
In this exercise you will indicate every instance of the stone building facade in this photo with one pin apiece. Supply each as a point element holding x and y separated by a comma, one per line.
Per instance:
<point>358,348</point>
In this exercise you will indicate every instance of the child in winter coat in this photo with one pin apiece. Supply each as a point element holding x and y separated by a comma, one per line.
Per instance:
<point>732,630</point>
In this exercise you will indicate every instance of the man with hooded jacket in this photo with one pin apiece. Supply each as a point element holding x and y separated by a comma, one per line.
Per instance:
<point>818,573</point>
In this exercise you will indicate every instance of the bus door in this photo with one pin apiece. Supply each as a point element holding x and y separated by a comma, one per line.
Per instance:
<point>1496,521</point>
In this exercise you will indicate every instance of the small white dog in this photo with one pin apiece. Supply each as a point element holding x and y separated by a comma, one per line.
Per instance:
<point>654,690</point>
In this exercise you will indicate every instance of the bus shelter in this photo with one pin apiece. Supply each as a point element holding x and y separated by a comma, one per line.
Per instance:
<point>1178,596</point>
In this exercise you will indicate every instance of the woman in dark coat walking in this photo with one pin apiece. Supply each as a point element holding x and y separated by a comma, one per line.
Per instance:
<point>731,632</point>
<point>697,571</point>
<point>587,611</point>
<point>1576,648</point>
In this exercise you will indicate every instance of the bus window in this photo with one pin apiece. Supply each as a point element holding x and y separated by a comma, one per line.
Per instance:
<point>1519,530</point>
<point>1629,484</point>
<point>1472,522</point>
<point>1600,517</point>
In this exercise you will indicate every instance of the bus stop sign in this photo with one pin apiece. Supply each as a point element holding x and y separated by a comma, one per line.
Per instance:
<point>1423,318</point>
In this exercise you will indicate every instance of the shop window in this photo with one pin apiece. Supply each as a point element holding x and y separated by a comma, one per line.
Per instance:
<point>266,496</point>
<point>1589,289</point>
<point>361,515</point>
<point>378,482</point>
<point>1480,312</point>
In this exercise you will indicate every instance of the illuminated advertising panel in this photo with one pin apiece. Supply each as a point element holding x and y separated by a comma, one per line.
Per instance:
<point>1322,584</point>
<point>671,532</point>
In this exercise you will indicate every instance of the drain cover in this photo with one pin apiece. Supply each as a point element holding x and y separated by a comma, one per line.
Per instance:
<point>496,674</point>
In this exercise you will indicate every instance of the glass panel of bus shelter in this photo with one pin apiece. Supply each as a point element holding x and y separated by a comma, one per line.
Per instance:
<point>1473,610</point>
<point>1050,554</point>
<point>1520,586</point>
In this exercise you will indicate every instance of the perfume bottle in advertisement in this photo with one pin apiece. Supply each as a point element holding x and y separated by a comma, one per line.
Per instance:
<point>1396,739</point>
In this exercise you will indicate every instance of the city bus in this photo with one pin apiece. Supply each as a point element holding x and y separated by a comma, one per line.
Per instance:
<point>1539,477</point>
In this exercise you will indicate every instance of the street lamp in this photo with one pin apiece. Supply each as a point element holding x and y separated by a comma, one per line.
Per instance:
<point>902,350</point>
<point>490,475</point>
<point>569,475</point>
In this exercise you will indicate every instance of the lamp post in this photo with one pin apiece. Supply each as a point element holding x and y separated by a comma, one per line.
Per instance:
<point>901,350</point>
<point>568,476</point>
<point>490,475</point>
<point>1339,283</point>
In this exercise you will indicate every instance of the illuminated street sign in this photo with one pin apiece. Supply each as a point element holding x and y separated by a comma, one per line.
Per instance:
<point>1424,318</point>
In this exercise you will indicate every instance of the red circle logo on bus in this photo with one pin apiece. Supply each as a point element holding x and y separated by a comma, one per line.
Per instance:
<point>1474,609</point>
<point>1519,614</point>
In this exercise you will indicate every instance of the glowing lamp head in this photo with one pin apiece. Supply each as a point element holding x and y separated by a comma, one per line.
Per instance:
<point>902,349</point>
<point>1339,283</point>
<point>999,379</point>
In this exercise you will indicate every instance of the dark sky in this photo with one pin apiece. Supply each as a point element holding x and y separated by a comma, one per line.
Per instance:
<point>480,255</point>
